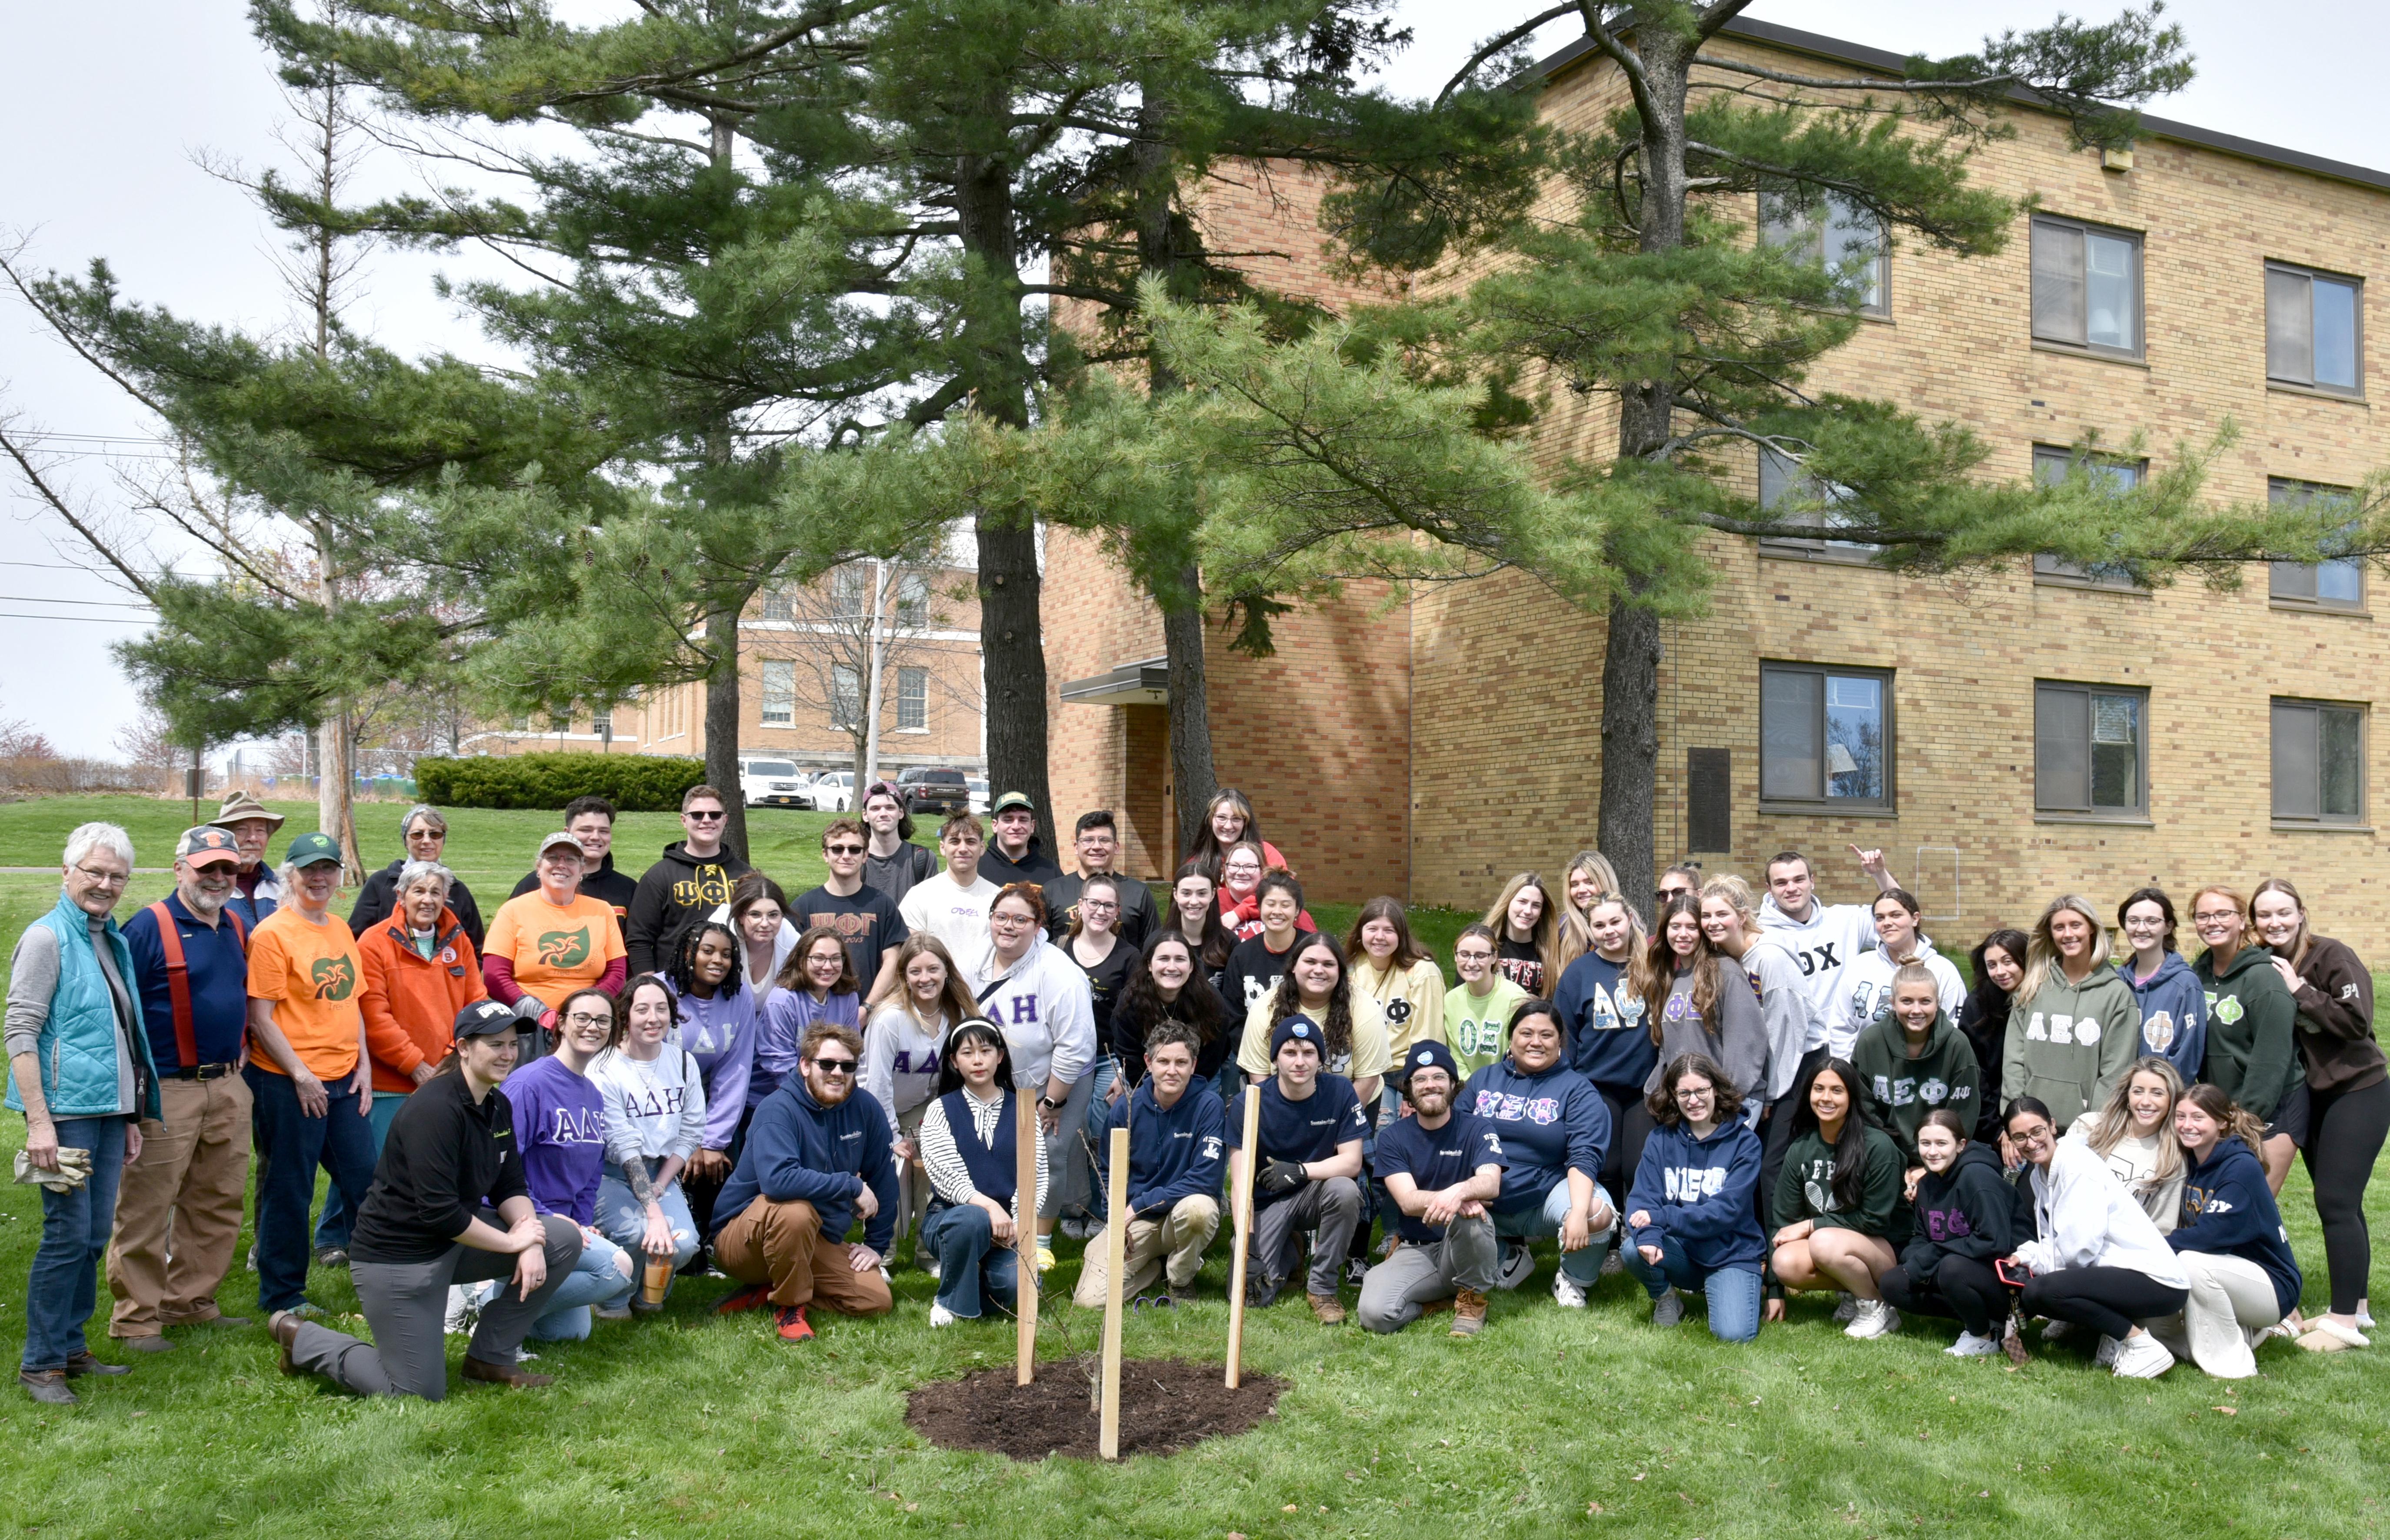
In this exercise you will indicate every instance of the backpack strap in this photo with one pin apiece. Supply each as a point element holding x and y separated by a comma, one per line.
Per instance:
<point>178,984</point>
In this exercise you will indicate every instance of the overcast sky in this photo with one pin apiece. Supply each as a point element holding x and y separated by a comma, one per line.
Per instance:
<point>184,77</point>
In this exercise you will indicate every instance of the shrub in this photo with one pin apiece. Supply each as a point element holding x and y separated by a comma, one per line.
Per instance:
<point>634,783</point>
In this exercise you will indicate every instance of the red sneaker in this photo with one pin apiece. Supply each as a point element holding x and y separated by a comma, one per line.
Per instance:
<point>791,1323</point>
<point>751,1297</point>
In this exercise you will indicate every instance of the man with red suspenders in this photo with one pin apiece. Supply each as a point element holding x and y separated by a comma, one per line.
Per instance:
<point>190,963</point>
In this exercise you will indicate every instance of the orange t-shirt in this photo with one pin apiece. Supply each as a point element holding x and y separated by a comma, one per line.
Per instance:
<point>555,948</point>
<point>314,976</point>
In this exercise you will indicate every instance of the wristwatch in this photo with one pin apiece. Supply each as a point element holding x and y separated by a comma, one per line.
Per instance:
<point>1049,1104</point>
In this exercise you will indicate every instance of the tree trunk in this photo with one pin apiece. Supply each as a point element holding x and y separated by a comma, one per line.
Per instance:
<point>722,722</point>
<point>1630,666</point>
<point>1192,777</point>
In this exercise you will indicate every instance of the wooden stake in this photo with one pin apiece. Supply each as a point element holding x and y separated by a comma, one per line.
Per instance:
<point>1116,1261</point>
<point>1242,1209</point>
<point>1027,1135</point>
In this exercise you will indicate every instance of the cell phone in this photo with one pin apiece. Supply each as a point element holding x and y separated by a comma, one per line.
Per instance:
<point>2010,1273</point>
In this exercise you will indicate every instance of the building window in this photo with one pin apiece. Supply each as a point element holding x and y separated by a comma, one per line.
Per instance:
<point>850,592</point>
<point>912,600</point>
<point>1825,735</point>
<point>2315,329</point>
<point>778,606</point>
<point>912,700</point>
<point>558,723</point>
<point>2319,762</point>
<point>1781,477</point>
<point>2086,287</point>
<point>779,692</point>
<point>1836,234</point>
<point>845,696</point>
<point>2090,752</point>
<point>602,724</point>
<point>2052,465</point>
<point>2336,584</point>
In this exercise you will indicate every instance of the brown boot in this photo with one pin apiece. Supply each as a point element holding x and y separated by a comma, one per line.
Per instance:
<point>283,1327</point>
<point>1329,1308</point>
<point>1467,1312</point>
<point>510,1375</point>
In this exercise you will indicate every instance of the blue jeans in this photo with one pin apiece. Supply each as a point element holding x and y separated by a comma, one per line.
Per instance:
<point>597,1278</point>
<point>1582,1268</point>
<point>622,1219</point>
<point>65,1284</point>
<point>1733,1292</point>
<point>291,1145</point>
<point>334,1223</point>
<point>970,1261</point>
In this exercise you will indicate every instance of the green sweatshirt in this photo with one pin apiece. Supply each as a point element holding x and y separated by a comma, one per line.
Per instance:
<point>1898,1091</point>
<point>1805,1188</point>
<point>2070,1043</point>
<point>2252,1031</point>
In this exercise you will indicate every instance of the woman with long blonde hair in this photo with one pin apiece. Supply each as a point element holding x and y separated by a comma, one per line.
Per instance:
<point>2133,1131</point>
<point>1526,927</point>
<point>2074,1027</point>
<point>1590,876</point>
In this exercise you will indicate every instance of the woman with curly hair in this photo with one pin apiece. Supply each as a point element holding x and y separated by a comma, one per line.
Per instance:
<point>1319,985</point>
<point>1695,1003</point>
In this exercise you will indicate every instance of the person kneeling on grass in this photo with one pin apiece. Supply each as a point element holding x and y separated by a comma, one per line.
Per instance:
<point>2098,1260</point>
<point>1688,1214</point>
<point>1838,1203</point>
<point>970,1141</point>
<point>1178,1131</point>
<point>428,1222</point>
<point>817,1157</point>
<point>1441,1168</point>
<point>2229,1238</point>
<point>1555,1128</point>
<point>1310,1155</point>
<point>1965,1218</point>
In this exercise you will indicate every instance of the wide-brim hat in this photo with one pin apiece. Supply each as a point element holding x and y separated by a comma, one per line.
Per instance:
<point>240,807</point>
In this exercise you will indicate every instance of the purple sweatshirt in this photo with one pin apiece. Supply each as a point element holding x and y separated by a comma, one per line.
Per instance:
<point>561,1127</point>
<point>719,1034</point>
<point>787,1014</point>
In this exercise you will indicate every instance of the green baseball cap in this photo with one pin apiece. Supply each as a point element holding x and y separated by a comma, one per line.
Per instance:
<point>313,850</point>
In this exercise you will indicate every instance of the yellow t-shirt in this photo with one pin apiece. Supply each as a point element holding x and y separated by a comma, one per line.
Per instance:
<point>1370,1057</point>
<point>314,976</point>
<point>555,948</point>
<point>1408,1003</point>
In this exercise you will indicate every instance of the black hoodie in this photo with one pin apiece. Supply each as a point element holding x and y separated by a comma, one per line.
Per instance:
<point>1035,864</point>
<point>1968,1210</point>
<point>677,888</point>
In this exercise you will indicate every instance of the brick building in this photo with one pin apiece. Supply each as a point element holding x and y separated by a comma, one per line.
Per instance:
<point>2007,736</point>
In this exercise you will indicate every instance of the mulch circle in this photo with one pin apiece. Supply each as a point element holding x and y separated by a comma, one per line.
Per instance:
<point>1166,1405</point>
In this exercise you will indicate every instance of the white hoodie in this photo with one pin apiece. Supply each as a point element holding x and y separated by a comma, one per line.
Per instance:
<point>1821,946</point>
<point>2089,1219</point>
<point>1045,1008</point>
<point>1865,994</point>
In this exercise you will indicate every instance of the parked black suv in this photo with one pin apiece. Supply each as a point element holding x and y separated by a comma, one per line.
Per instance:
<point>928,789</point>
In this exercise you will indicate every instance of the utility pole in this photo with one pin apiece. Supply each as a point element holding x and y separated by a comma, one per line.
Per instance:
<point>878,657</point>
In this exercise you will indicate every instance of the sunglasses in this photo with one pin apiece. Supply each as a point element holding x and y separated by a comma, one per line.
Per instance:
<point>842,850</point>
<point>713,817</point>
<point>835,1066</point>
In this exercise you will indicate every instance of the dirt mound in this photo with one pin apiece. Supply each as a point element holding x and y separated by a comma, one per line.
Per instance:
<point>1166,1405</point>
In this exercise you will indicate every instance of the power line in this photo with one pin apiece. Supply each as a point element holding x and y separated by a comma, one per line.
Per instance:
<point>94,620</point>
<point>86,604</point>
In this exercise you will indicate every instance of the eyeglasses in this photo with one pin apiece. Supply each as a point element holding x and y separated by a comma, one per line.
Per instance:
<point>701,816</point>
<point>835,1066</point>
<point>584,1018</point>
<point>105,879</point>
<point>1688,1096</point>
<point>1100,906</point>
<point>1475,954</point>
<point>2217,917</point>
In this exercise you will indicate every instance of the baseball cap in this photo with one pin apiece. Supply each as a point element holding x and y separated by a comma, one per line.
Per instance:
<point>1011,799</point>
<point>313,850</point>
<point>882,788</point>
<point>1429,1056</point>
<point>208,846</point>
<point>484,1018</point>
<point>560,838</point>
<point>1297,1028</point>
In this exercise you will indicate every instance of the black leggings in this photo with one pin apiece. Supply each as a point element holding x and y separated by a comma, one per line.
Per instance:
<point>2108,1300</point>
<point>2344,1134</point>
<point>1959,1289</point>
<point>1630,1125</point>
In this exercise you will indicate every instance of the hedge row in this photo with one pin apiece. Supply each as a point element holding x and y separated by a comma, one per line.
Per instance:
<point>634,783</point>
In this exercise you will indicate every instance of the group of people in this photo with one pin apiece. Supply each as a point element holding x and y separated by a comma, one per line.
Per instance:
<point>539,1122</point>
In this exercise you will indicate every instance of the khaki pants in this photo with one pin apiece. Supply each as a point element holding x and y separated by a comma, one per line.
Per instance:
<point>1171,1246</point>
<point>782,1245</point>
<point>178,1210</point>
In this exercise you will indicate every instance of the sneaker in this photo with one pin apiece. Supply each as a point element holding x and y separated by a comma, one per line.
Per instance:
<point>1566,1290</point>
<point>1848,1310</point>
<point>940,1317</point>
<point>2105,1355</point>
<point>1969,1345</point>
<point>2056,1331</point>
<point>1327,1308</point>
<point>746,1297</point>
<point>1045,1257</point>
<point>332,1256</point>
<point>930,1266</point>
<point>1467,1312</point>
<point>1355,1270</point>
<point>1517,1263</point>
<point>253,1256</point>
<point>308,1310</point>
<point>1669,1309</point>
<point>464,1310</point>
<point>790,1324</point>
<point>1872,1318</point>
<point>2141,1358</point>
<point>1614,1264</point>
<point>1079,1228</point>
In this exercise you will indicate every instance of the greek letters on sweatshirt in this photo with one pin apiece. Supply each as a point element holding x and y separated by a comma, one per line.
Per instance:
<point>2228,1210</point>
<point>2070,1043</point>
<point>2252,1031</point>
<point>2174,1013</point>
<point>559,1120</point>
<point>654,1107</point>
<point>1734,1035</point>
<point>1698,1191</point>
<point>1895,1091</point>
<point>1174,1152</point>
<point>1968,1210</point>
<point>798,1150</point>
<point>1608,1042</point>
<point>1805,1188</point>
<point>2335,1027</point>
<point>719,1034</point>
<point>676,890</point>
<point>1476,1026</point>
<point>1783,1009</point>
<point>1821,946</point>
<point>1865,992</point>
<point>1550,1125</point>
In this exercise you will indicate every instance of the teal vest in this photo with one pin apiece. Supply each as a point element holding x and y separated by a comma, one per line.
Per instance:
<point>77,1046</point>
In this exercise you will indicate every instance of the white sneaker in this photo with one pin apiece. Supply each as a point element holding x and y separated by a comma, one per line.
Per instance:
<point>1518,1263</point>
<point>463,1310</point>
<point>2055,1331</point>
<point>2106,1356</point>
<point>1969,1345</point>
<point>2141,1358</point>
<point>1872,1318</point>
<point>940,1316</point>
<point>2364,1316</point>
<point>930,1266</point>
<point>1565,1289</point>
<point>1848,1310</point>
<point>1669,1309</point>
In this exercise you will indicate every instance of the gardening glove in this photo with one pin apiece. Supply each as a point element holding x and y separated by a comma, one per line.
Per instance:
<point>1282,1176</point>
<point>74,1170</point>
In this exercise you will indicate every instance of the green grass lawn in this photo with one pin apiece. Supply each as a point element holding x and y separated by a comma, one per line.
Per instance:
<point>1550,1423</point>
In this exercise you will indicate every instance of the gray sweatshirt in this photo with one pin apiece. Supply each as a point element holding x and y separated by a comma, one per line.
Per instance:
<point>1737,1037</point>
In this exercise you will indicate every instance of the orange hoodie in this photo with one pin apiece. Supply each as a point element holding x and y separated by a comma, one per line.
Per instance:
<point>411,1002</point>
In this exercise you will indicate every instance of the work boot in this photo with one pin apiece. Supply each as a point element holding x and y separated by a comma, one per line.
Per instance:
<point>507,1374</point>
<point>48,1387</point>
<point>1467,1312</point>
<point>1329,1308</point>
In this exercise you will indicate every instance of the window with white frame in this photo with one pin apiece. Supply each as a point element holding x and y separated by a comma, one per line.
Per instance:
<point>912,700</point>
<point>779,692</point>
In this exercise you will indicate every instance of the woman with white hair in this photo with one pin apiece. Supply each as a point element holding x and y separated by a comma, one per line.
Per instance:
<point>79,1070</point>
<point>424,834</point>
